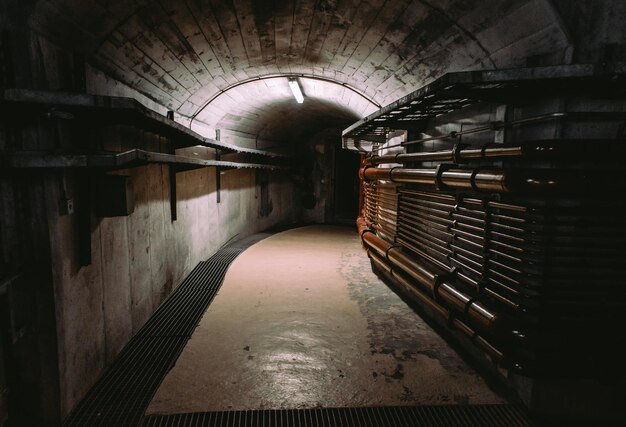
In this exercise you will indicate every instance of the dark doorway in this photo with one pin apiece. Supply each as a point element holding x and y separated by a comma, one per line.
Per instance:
<point>346,185</point>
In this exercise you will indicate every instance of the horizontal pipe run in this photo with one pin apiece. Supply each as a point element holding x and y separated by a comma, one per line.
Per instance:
<point>440,289</point>
<point>460,275</point>
<point>464,200</point>
<point>413,243</point>
<point>531,149</point>
<point>530,181</point>
<point>401,280</point>
<point>454,178</point>
<point>504,224</point>
<point>486,267</point>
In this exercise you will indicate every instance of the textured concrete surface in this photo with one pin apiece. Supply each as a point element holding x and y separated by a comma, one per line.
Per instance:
<point>301,321</point>
<point>183,54</point>
<point>137,260</point>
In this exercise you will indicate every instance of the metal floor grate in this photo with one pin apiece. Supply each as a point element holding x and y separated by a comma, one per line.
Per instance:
<point>125,390</point>
<point>396,416</point>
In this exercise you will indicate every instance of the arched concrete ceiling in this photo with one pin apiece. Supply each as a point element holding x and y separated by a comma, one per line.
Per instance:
<point>183,53</point>
<point>265,108</point>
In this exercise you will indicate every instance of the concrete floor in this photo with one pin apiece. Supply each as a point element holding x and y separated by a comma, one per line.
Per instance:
<point>301,321</point>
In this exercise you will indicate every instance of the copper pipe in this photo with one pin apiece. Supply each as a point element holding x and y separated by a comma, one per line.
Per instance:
<point>440,289</point>
<point>512,180</point>
<point>397,277</point>
<point>530,149</point>
<point>460,275</point>
<point>451,215</point>
<point>491,180</point>
<point>446,155</point>
<point>476,263</point>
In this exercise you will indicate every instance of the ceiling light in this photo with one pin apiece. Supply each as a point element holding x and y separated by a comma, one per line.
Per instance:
<point>297,92</point>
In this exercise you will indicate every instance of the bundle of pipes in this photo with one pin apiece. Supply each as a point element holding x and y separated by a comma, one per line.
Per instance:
<point>527,181</point>
<point>380,208</point>
<point>547,149</point>
<point>516,273</point>
<point>506,213</point>
<point>439,295</point>
<point>502,247</point>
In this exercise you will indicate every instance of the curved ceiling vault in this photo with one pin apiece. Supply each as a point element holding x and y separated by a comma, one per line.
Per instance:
<point>185,53</point>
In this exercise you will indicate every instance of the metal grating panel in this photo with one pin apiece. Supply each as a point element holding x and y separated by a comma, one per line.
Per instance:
<point>455,91</point>
<point>123,393</point>
<point>396,416</point>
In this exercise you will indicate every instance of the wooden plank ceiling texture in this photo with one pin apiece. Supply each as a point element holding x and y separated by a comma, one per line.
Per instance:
<point>183,53</point>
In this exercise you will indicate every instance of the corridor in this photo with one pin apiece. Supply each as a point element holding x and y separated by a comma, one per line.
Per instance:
<point>302,322</point>
<point>290,328</point>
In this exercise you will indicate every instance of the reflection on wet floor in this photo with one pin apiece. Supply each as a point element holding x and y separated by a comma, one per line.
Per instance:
<point>301,321</point>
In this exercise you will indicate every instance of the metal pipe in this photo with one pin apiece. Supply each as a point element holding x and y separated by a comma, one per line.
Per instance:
<point>529,149</point>
<point>464,200</point>
<point>460,275</point>
<point>477,262</point>
<point>410,242</point>
<point>432,281</point>
<point>397,277</point>
<point>487,180</point>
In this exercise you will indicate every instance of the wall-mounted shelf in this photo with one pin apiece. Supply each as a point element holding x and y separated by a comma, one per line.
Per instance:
<point>110,161</point>
<point>116,110</point>
<point>455,91</point>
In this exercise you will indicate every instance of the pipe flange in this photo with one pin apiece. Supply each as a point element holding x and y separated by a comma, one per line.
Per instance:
<point>439,279</point>
<point>468,305</point>
<point>390,248</point>
<point>473,178</point>
<point>391,172</point>
<point>484,148</point>
<point>441,168</point>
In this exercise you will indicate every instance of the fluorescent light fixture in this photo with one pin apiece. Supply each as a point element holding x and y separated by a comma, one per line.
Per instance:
<point>295,89</point>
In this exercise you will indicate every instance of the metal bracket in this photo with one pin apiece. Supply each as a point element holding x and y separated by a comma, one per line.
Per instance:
<point>218,182</point>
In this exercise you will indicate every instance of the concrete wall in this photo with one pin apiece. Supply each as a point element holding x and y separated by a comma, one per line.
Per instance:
<point>28,319</point>
<point>596,29</point>
<point>137,260</point>
<point>88,283</point>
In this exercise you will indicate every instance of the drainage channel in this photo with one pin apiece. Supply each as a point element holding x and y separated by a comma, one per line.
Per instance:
<point>125,390</point>
<point>501,415</point>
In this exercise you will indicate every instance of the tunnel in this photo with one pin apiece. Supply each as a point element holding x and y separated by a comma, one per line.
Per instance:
<point>312,212</point>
